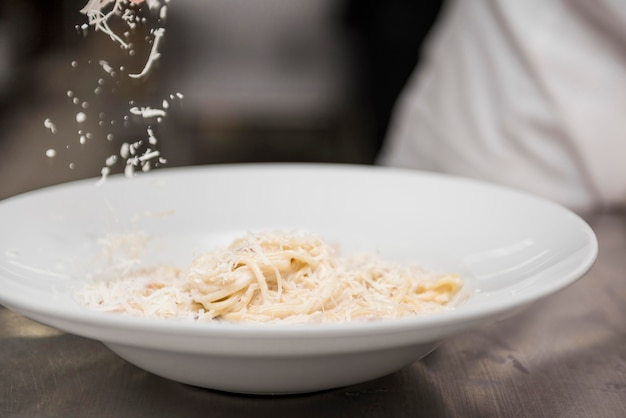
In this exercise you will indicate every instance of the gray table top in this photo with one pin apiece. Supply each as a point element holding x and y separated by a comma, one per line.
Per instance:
<point>564,356</point>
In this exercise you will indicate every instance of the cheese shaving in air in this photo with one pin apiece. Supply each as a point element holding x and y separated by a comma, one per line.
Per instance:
<point>277,277</point>
<point>102,14</point>
<point>147,112</point>
<point>154,54</point>
<point>99,12</point>
<point>50,125</point>
<point>95,10</point>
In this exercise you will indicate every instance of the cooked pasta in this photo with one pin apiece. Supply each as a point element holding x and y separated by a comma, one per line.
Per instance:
<point>277,277</point>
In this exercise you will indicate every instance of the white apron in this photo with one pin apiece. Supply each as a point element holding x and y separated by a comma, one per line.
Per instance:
<point>530,94</point>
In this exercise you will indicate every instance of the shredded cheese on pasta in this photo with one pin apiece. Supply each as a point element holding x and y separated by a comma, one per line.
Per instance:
<point>277,277</point>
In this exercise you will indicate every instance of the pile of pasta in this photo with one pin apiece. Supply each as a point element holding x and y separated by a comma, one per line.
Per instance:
<point>277,277</point>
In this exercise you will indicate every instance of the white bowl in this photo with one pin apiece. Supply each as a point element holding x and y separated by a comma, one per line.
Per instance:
<point>511,248</point>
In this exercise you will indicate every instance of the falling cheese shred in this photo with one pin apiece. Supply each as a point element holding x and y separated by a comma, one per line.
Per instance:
<point>154,54</point>
<point>99,12</point>
<point>277,277</point>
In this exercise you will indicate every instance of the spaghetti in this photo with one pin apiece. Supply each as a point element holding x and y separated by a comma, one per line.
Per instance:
<point>277,277</point>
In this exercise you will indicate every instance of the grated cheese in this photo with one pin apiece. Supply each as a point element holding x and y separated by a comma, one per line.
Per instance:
<point>154,53</point>
<point>50,125</point>
<point>147,112</point>
<point>100,15</point>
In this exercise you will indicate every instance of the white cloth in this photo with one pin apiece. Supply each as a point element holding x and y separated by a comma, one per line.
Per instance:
<point>530,94</point>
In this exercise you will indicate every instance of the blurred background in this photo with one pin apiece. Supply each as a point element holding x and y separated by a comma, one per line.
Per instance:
<point>277,80</point>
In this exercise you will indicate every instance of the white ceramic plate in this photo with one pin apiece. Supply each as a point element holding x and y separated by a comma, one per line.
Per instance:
<point>510,247</point>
